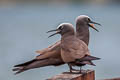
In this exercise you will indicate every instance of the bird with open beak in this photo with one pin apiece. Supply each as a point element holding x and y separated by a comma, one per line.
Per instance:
<point>73,50</point>
<point>83,23</point>
<point>51,56</point>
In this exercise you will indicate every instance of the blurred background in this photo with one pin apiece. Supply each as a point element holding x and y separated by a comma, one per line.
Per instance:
<point>23,27</point>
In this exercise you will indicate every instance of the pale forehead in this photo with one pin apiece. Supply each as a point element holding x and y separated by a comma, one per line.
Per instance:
<point>69,24</point>
<point>82,16</point>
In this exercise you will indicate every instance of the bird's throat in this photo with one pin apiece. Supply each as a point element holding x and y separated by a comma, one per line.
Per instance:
<point>82,32</point>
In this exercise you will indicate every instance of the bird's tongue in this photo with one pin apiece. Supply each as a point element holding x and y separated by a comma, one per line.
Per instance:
<point>93,26</point>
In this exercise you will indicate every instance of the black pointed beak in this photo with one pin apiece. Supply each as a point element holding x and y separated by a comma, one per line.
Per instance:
<point>55,30</point>
<point>51,30</point>
<point>91,24</point>
<point>95,23</point>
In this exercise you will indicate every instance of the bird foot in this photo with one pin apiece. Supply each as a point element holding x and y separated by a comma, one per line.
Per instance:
<point>67,72</point>
<point>76,72</point>
<point>82,72</point>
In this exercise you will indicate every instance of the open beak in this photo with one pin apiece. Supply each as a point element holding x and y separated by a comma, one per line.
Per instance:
<point>91,24</point>
<point>56,30</point>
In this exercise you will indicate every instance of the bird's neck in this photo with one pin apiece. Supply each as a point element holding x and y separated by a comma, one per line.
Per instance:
<point>82,32</point>
<point>68,35</point>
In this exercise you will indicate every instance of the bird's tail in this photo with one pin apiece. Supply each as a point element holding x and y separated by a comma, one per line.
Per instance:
<point>89,58</point>
<point>36,64</point>
<point>88,62</point>
<point>22,67</point>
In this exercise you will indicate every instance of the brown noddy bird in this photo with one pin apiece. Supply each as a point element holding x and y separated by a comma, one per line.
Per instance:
<point>73,50</point>
<point>83,23</point>
<point>51,56</point>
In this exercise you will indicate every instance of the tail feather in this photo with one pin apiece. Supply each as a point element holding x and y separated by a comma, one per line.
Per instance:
<point>18,70</point>
<point>88,62</point>
<point>22,67</point>
<point>92,63</point>
<point>82,63</point>
<point>26,63</point>
<point>15,69</point>
<point>88,58</point>
<point>36,64</point>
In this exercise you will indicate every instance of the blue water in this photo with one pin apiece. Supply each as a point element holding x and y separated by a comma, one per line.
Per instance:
<point>23,31</point>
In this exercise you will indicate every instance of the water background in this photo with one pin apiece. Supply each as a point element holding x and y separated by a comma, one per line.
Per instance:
<point>23,30</point>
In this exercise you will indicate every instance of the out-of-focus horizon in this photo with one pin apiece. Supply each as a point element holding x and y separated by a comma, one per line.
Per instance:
<point>105,2</point>
<point>23,27</point>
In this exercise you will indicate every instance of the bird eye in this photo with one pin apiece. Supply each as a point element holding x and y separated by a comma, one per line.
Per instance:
<point>89,20</point>
<point>61,27</point>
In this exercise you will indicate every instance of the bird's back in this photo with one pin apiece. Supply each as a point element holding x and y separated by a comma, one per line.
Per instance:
<point>72,48</point>
<point>50,52</point>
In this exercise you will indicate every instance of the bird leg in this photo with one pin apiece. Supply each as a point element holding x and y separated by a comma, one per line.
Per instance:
<point>80,69</point>
<point>75,69</point>
<point>70,67</point>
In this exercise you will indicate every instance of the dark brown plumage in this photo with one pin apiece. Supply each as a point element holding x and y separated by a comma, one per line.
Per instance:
<point>73,50</point>
<point>53,52</point>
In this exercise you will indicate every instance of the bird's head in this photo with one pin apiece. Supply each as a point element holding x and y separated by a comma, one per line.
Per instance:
<point>85,20</point>
<point>64,28</point>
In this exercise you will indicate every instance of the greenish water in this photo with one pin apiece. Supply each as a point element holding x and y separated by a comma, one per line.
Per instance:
<point>23,31</point>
